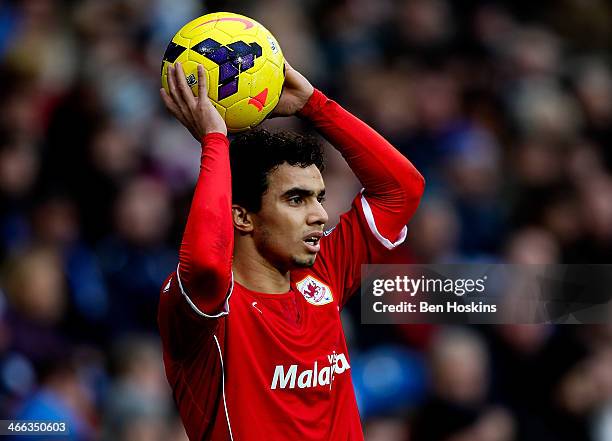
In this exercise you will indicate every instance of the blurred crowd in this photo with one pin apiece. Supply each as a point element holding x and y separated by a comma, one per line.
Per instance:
<point>504,106</point>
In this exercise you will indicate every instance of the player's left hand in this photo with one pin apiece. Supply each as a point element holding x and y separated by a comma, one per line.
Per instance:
<point>296,92</point>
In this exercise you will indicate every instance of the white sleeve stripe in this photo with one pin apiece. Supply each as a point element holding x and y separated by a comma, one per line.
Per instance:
<point>226,308</point>
<point>367,211</point>
<point>229,426</point>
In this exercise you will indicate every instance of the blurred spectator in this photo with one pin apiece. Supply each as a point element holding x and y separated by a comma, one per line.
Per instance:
<point>459,407</point>
<point>532,246</point>
<point>19,165</point>
<point>520,375</point>
<point>135,259</point>
<point>36,291</point>
<point>56,224</point>
<point>435,232</point>
<point>138,406</point>
<point>62,397</point>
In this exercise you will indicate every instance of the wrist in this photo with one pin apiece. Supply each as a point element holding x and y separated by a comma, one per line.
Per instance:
<point>215,135</point>
<point>216,129</point>
<point>307,96</point>
<point>314,103</point>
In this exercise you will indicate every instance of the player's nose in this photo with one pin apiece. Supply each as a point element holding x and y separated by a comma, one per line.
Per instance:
<point>318,215</point>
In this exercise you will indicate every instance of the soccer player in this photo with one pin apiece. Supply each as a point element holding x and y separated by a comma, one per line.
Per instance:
<point>250,320</point>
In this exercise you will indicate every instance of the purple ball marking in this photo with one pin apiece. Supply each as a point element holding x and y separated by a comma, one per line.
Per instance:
<point>247,62</point>
<point>206,47</point>
<point>232,59</point>
<point>228,89</point>
<point>219,56</point>
<point>227,70</point>
<point>240,48</point>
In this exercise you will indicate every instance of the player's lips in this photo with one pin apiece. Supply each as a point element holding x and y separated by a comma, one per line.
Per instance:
<point>311,240</point>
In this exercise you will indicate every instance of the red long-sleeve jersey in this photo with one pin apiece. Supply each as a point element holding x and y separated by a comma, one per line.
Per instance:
<point>246,365</point>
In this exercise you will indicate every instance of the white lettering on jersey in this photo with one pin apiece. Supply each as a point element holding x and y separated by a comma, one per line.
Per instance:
<point>308,378</point>
<point>284,379</point>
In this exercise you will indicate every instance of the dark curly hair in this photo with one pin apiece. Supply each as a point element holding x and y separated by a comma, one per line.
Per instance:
<point>257,153</point>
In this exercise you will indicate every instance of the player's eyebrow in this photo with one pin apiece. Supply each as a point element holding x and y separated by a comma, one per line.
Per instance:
<point>303,192</point>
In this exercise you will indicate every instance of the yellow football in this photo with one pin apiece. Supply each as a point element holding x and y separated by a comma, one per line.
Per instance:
<point>244,64</point>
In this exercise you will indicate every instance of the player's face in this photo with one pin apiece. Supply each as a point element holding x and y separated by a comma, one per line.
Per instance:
<point>290,223</point>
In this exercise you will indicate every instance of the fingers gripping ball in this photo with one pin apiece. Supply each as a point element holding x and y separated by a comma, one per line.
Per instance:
<point>243,61</point>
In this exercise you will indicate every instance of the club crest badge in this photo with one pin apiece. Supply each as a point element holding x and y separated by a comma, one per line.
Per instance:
<point>315,291</point>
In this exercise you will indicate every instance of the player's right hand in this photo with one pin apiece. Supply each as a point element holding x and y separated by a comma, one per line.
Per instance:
<point>197,114</point>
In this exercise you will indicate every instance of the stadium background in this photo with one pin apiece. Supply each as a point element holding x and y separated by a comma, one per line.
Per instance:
<point>505,107</point>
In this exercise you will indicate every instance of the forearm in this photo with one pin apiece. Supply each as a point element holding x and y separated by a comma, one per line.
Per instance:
<point>392,184</point>
<point>206,249</point>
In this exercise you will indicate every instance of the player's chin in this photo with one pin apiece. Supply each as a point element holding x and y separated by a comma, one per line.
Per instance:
<point>304,261</point>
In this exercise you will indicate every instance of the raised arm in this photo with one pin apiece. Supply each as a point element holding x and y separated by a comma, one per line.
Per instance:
<point>205,257</point>
<point>392,185</point>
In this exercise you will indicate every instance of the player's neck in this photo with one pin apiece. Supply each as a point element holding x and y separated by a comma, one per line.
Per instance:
<point>254,272</point>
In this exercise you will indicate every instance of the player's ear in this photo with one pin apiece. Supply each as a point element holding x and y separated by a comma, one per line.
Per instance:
<point>242,219</point>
